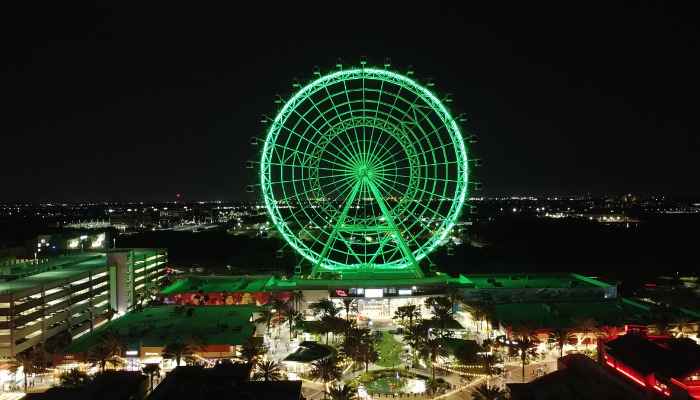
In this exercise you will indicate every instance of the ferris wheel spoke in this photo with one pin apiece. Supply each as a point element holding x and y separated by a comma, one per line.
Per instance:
<point>340,221</point>
<point>389,219</point>
<point>346,151</point>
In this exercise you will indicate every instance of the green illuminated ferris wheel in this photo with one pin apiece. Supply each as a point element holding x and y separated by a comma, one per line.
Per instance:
<point>364,170</point>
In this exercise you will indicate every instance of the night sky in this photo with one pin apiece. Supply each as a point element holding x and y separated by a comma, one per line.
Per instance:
<point>142,102</point>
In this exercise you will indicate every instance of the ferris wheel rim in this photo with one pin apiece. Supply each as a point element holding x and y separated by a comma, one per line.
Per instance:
<point>291,237</point>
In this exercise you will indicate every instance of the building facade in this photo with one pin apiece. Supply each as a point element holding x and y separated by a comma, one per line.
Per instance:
<point>72,294</point>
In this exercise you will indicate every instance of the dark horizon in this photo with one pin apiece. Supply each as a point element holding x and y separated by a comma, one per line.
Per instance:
<point>119,103</point>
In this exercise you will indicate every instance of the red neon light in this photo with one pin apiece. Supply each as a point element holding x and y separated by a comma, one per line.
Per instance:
<point>660,389</point>
<point>627,374</point>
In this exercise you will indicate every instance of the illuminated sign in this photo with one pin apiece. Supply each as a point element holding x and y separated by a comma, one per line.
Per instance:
<point>132,352</point>
<point>405,292</point>
<point>374,293</point>
<point>341,293</point>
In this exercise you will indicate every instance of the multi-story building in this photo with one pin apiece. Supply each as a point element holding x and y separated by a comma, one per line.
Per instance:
<point>73,294</point>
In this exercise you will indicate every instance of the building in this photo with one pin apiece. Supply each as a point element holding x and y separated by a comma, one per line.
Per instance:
<point>222,381</point>
<point>665,366</point>
<point>215,332</point>
<point>378,299</point>
<point>71,294</point>
<point>577,377</point>
<point>110,385</point>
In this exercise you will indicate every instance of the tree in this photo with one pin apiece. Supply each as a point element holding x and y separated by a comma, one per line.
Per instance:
<point>409,312</point>
<point>252,351</point>
<point>280,307</point>
<point>431,349</point>
<point>326,370</point>
<point>291,316</point>
<point>345,392</point>
<point>486,392</point>
<point>415,335</point>
<point>332,324</point>
<point>488,363</point>
<point>560,336</point>
<point>33,360</point>
<point>359,347</point>
<point>527,349</point>
<point>441,308</point>
<point>151,370</point>
<point>106,350</point>
<point>349,305</point>
<point>268,371</point>
<point>177,350</point>
<point>586,329</point>
<point>74,378</point>
<point>265,317</point>
<point>324,307</point>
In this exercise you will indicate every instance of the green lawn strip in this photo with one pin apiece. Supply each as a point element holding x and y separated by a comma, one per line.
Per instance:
<point>389,350</point>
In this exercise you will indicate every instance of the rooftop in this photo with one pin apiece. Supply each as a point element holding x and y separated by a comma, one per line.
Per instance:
<point>217,382</point>
<point>209,284</point>
<point>519,281</point>
<point>309,352</point>
<point>582,379</point>
<point>58,268</point>
<point>669,358</point>
<point>615,312</point>
<point>159,325</point>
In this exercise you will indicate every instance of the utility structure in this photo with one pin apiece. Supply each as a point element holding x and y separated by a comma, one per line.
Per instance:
<point>364,171</point>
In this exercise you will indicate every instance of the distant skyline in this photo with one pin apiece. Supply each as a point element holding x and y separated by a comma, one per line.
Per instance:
<point>139,103</point>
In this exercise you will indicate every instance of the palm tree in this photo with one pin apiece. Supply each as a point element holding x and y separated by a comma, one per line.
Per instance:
<point>280,307</point>
<point>409,312</point>
<point>416,335</point>
<point>526,347</point>
<point>324,307</point>
<point>107,349</point>
<point>486,392</point>
<point>252,350</point>
<point>560,336</point>
<point>32,361</point>
<point>332,324</point>
<point>265,316</point>
<point>268,371</point>
<point>488,362</point>
<point>151,370</point>
<point>290,315</point>
<point>177,350</point>
<point>586,328</point>
<point>345,392</point>
<point>74,378</point>
<point>441,308</point>
<point>350,305</point>
<point>431,349</point>
<point>326,370</point>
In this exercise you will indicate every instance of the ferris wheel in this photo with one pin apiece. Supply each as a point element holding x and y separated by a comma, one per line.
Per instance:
<point>364,170</point>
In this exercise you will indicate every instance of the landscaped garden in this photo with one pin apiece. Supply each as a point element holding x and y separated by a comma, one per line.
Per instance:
<point>389,350</point>
<point>392,381</point>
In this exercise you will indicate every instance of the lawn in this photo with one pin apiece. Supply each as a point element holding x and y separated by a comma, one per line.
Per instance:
<point>389,350</point>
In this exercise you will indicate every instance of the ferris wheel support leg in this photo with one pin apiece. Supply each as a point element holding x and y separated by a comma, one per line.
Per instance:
<point>390,221</point>
<point>334,233</point>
